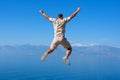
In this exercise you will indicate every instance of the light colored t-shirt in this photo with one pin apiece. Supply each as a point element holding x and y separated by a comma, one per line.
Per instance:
<point>59,26</point>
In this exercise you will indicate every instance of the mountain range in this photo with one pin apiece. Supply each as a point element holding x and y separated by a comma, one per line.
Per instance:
<point>87,50</point>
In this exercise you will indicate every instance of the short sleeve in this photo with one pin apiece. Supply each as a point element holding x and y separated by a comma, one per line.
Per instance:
<point>52,19</point>
<point>67,19</point>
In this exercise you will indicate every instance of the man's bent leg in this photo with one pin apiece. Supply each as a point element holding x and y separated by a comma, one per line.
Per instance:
<point>68,52</point>
<point>46,54</point>
<point>65,58</point>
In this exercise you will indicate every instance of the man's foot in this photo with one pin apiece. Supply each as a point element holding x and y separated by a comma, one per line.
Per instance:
<point>44,56</point>
<point>66,60</point>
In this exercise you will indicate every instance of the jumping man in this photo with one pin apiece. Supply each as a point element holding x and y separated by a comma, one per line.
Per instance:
<point>59,34</point>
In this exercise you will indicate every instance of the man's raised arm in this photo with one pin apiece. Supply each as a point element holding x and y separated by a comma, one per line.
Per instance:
<point>45,15</point>
<point>74,14</point>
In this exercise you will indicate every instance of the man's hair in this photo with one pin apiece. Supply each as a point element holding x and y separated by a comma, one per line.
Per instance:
<point>60,15</point>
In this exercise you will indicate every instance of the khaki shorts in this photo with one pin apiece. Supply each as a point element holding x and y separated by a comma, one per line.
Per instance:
<point>58,41</point>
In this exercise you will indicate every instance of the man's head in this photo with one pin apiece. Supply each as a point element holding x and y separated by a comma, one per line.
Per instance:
<point>60,16</point>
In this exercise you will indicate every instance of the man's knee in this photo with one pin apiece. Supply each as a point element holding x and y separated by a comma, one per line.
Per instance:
<point>51,50</point>
<point>70,48</point>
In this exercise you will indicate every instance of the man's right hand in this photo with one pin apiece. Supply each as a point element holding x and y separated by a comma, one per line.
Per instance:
<point>45,15</point>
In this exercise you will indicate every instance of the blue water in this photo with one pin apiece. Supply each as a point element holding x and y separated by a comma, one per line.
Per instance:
<point>84,67</point>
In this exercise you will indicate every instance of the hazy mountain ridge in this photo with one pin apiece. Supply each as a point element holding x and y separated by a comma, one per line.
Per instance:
<point>33,49</point>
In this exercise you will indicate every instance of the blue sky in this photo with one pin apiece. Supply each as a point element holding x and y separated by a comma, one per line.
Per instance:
<point>97,23</point>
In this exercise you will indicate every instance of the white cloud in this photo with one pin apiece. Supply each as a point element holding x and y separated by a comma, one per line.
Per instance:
<point>82,45</point>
